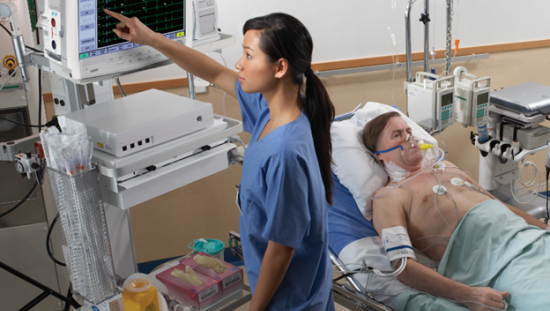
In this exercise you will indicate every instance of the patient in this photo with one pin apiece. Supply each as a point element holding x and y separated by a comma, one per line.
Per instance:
<point>483,246</point>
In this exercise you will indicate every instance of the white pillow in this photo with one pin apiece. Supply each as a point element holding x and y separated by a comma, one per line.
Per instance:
<point>356,169</point>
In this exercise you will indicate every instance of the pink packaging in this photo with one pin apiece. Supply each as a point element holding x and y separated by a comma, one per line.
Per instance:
<point>231,280</point>
<point>200,296</point>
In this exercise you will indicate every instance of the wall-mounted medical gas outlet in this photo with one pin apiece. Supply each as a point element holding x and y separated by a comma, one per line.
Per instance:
<point>13,93</point>
<point>431,102</point>
<point>471,98</point>
<point>10,62</point>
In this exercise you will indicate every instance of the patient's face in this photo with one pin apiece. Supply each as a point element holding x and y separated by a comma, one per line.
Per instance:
<point>394,134</point>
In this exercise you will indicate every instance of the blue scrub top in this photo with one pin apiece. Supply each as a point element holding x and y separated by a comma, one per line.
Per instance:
<point>282,199</point>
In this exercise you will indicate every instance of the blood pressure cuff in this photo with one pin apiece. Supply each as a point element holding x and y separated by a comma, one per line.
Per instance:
<point>397,243</point>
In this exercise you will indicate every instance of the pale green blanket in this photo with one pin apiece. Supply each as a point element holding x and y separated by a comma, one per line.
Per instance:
<point>492,247</point>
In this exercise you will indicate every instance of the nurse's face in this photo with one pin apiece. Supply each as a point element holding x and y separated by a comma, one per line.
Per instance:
<point>256,73</point>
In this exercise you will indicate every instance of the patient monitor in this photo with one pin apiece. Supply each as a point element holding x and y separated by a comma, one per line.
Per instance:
<point>81,46</point>
<point>471,98</point>
<point>431,101</point>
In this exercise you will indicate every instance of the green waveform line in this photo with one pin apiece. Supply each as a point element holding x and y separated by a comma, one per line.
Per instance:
<point>143,17</point>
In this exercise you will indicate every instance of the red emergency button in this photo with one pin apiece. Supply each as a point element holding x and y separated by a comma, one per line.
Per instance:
<point>53,22</point>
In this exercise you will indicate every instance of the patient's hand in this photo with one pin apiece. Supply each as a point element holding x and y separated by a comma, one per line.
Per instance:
<point>486,296</point>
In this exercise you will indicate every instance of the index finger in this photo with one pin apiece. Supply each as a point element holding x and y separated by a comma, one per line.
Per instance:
<point>118,16</point>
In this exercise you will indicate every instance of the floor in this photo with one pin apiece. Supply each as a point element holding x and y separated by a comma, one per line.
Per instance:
<point>246,306</point>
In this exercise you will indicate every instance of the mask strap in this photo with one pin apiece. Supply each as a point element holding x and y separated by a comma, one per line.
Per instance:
<point>388,150</point>
<point>374,157</point>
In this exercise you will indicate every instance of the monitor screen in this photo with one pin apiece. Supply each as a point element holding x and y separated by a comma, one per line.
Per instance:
<point>482,98</point>
<point>95,27</point>
<point>446,99</point>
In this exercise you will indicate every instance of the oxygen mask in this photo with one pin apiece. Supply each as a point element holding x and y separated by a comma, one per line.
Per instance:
<point>413,151</point>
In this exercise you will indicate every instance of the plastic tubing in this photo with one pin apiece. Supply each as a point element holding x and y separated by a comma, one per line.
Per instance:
<point>441,153</point>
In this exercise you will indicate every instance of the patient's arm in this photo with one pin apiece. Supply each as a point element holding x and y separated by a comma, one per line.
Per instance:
<point>388,211</point>
<point>528,218</point>
<point>426,280</point>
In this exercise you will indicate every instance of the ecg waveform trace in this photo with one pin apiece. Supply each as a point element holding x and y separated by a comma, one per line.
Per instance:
<point>160,15</point>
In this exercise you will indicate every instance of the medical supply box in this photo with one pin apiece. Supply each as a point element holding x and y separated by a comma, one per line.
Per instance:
<point>231,280</point>
<point>198,297</point>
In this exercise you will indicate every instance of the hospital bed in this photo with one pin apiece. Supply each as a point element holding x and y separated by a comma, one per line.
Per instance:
<point>357,177</point>
<point>352,237</point>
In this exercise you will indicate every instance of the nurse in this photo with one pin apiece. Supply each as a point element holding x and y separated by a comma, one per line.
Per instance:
<point>286,180</point>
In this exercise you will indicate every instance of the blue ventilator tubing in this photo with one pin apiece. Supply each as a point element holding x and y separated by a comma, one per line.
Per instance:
<point>483,133</point>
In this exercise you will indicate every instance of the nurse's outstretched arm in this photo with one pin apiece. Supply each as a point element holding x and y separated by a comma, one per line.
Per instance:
<point>274,266</point>
<point>197,63</point>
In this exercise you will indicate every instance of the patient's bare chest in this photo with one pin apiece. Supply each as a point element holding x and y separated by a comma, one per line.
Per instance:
<point>437,207</point>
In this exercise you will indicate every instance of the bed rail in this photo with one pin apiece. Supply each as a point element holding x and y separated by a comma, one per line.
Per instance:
<point>352,295</point>
<point>349,295</point>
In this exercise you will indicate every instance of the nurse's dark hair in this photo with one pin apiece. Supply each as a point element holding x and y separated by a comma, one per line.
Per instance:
<point>283,36</point>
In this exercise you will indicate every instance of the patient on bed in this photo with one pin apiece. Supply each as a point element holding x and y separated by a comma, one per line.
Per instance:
<point>481,243</point>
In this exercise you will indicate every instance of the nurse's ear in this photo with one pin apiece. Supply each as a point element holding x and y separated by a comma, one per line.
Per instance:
<point>281,67</point>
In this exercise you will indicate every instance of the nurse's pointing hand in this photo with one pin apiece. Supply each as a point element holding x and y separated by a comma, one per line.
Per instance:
<point>132,29</point>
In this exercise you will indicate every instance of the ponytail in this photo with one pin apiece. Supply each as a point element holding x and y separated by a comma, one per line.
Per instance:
<point>283,36</point>
<point>320,111</point>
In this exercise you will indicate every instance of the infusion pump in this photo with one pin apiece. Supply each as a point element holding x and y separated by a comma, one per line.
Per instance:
<point>431,101</point>
<point>472,98</point>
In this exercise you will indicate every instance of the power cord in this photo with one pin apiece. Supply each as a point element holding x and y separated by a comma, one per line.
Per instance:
<point>527,183</point>
<point>547,173</point>
<point>547,210</point>
<point>38,181</point>
<point>48,245</point>
<point>122,93</point>
<point>53,122</point>
<point>21,202</point>
<point>39,99</point>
